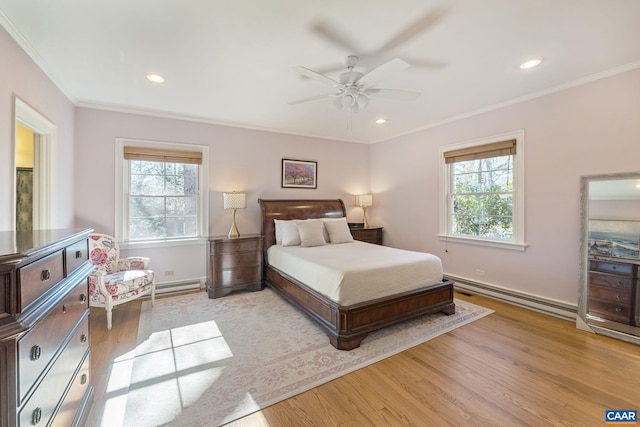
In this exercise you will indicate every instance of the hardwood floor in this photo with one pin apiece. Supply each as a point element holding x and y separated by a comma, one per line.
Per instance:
<point>514,367</point>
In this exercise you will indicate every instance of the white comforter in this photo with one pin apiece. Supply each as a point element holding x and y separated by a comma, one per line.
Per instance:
<point>350,273</point>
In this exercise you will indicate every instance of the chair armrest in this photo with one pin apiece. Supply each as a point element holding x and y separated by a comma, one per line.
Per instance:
<point>97,277</point>
<point>133,263</point>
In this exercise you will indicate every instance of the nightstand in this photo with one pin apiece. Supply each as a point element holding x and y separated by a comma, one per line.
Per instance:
<point>369,234</point>
<point>234,264</point>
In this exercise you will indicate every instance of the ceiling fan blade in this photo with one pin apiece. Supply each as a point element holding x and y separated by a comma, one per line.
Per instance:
<point>312,98</point>
<point>392,67</point>
<point>333,35</point>
<point>317,76</point>
<point>416,28</point>
<point>400,95</point>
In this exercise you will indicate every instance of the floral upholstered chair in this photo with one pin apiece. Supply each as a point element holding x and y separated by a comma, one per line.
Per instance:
<point>114,280</point>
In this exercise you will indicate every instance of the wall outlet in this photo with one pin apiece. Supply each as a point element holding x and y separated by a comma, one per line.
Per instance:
<point>479,272</point>
<point>168,273</point>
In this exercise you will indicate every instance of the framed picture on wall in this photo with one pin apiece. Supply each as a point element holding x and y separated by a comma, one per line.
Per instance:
<point>299,174</point>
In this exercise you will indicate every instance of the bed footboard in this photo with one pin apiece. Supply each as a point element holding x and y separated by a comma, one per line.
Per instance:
<point>347,326</point>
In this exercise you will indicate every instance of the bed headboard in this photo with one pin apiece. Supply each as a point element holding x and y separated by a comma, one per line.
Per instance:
<point>295,209</point>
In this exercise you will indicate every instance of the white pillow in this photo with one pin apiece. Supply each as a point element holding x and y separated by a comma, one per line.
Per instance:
<point>278,226</point>
<point>338,230</point>
<point>290,235</point>
<point>311,233</point>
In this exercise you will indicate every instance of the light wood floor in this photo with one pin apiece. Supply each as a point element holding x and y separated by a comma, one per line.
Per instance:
<point>514,367</point>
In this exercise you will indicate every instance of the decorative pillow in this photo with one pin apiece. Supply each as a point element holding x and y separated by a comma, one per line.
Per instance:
<point>338,230</point>
<point>278,225</point>
<point>311,233</point>
<point>290,235</point>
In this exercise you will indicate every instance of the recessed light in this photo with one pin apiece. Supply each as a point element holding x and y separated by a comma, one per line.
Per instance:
<point>530,63</point>
<point>156,78</point>
<point>381,121</point>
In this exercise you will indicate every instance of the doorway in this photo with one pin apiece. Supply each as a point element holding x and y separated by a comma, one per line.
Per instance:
<point>35,211</point>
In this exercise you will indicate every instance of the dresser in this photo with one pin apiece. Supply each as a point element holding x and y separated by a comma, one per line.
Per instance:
<point>44,328</point>
<point>234,264</point>
<point>369,234</point>
<point>613,291</point>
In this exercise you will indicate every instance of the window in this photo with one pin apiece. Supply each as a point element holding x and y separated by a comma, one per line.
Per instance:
<point>162,195</point>
<point>483,191</point>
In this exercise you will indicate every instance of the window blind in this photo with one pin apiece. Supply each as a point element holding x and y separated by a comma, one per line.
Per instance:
<point>495,149</point>
<point>160,155</point>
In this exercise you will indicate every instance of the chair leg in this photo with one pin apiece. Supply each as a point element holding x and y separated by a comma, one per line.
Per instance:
<point>109,318</point>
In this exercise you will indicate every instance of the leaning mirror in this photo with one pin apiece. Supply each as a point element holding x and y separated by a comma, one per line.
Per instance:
<point>609,298</point>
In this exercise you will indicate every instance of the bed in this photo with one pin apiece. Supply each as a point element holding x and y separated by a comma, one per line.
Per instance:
<point>345,324</point>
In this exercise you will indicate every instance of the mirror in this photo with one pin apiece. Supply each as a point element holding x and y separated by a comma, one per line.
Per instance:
<point>609,297</point>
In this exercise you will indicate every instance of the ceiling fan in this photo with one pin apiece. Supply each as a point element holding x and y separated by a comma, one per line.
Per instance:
<point>353,88</point>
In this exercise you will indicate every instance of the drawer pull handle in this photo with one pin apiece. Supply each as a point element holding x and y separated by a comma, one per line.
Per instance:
<point>83,298</point>
<point>78,254</point>
<point>45,275</point>
<point>83,338</point>
<point>83,379</point>
<point>619,296</point>
<point>36,416</point>
<point>618,309</point>
<point>36,351</point>
<point>620,283</point>
<point>64,309</point>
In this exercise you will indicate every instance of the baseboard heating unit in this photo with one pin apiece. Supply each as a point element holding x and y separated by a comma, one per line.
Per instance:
<point>533,302</point>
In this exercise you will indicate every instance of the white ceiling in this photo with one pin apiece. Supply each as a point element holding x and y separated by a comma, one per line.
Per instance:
<point>230,62</point>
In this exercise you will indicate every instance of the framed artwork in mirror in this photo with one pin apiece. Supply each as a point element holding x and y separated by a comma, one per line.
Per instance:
<point>299,174</point>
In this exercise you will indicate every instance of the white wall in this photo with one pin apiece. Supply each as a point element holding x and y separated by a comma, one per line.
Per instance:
<point>586,130</point>
<point>239,159</point>
<point>20,76</point>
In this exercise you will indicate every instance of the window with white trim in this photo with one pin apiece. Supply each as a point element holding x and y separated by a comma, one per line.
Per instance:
<point>482,196</point>
<point>162,191</point>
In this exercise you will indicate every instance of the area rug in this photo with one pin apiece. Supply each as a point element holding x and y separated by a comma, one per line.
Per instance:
<point>206,362</point>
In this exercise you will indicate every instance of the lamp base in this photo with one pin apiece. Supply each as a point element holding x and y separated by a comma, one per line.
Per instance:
<point>364,217</point>
<point>233,233</point>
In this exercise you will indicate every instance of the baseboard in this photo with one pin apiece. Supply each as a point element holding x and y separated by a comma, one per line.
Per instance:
<point>181,285</point>
<point>533,302</point>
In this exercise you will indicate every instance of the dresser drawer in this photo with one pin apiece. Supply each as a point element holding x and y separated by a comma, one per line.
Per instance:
<point>617,312</point>
<point>612,281</point>
<point>240,246</point>
<point>38,277</point>
<point>242,259</point>
<point>75,255</point>
<point>41,343</point>
<point>73,399</point>
<point>612,267</point>
<point>42,404</point>
<point>621,296</point>
<point>239,276</point>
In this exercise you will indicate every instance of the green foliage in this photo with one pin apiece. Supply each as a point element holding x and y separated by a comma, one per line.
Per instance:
<point>163,200</point>
<point>482,198</point>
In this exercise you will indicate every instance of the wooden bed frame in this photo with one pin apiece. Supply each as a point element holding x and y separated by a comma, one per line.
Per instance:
<point>346,326</point>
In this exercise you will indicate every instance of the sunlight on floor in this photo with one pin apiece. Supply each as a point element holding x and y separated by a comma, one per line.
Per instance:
<point>169,368</point>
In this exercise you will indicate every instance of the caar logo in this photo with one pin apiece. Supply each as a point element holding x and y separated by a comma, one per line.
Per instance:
<point>619,416</point>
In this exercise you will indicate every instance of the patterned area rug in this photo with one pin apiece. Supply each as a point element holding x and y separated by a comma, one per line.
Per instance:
<point>204,362</point>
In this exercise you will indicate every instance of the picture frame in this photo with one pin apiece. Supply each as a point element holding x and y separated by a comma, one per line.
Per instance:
<point>614,239</point>
<point>299,174</point>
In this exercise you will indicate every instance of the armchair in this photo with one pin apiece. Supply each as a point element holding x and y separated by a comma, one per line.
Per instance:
<point>115,281</point>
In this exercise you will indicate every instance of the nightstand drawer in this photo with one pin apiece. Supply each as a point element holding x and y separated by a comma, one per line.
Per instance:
<point>239,276</point>
<point>241,259</point>
<point>241,246</point>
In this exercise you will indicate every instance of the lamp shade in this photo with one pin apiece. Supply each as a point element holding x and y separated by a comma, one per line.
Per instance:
<point>235,200</point>
<point>364,200</point>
